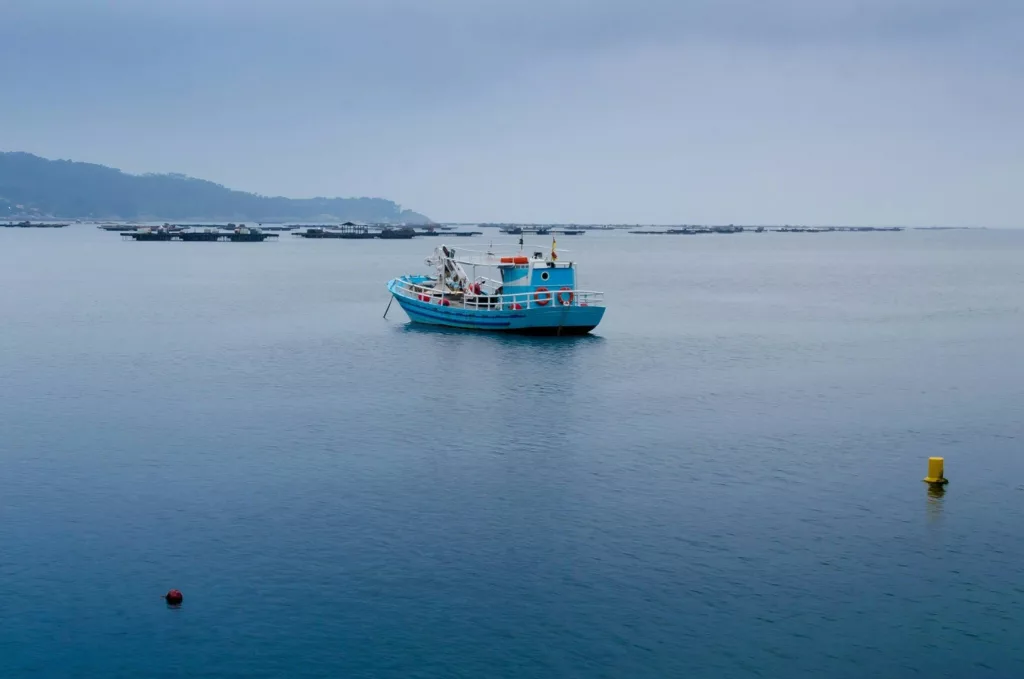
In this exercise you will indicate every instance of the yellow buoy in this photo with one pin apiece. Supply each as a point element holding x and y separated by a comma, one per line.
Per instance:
<point>935,470</point>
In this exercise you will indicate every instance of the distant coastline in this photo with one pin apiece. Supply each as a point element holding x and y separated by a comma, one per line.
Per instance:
<point>36,188</point>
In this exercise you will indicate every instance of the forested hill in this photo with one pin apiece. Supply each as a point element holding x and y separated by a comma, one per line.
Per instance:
<point>31,186</point>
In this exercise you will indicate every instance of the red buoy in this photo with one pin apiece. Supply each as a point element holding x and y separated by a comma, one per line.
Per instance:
<point>174,597</point>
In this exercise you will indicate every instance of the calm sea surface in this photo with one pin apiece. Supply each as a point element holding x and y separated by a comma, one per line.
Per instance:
<point>723,481</point>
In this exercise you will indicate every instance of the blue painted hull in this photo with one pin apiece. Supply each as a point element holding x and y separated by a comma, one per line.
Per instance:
<point>553,319</point>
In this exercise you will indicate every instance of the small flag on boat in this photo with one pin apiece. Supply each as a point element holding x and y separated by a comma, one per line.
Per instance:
<point>554,255</point>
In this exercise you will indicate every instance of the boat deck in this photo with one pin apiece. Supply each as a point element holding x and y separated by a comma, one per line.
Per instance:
<point>503,302</point>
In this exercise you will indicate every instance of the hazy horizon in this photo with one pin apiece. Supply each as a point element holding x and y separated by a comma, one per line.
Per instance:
<point>870,112</point>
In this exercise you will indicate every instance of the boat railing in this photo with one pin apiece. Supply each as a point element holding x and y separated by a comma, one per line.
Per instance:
<point>552,298</point>
<point>491,259</point>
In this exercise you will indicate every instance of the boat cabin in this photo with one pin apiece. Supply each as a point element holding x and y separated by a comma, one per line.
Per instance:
<point>520,274</point>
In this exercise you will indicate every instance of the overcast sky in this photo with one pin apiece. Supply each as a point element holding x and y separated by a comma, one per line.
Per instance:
<point>653,111</point>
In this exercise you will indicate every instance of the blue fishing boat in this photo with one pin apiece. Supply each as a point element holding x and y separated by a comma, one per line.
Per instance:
<point>532,293</point>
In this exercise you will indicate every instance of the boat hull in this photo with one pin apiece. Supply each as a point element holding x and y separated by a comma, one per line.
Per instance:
<point>553,319</point>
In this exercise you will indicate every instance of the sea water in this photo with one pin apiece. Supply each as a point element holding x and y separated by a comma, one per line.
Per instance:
<point>724,480</point>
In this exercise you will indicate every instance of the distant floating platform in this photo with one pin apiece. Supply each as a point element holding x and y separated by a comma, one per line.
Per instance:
<point>698,230</point>
<point>190,228</point>
<point>198,236</point>
<point>691,231</point>
<point>541,231</point>
<point>361,233</point>
<point>33,225</point>
<point>328,233</point>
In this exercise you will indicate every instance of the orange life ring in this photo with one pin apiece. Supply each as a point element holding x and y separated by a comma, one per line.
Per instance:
<point>566,302</point>
<point>541,300</point>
